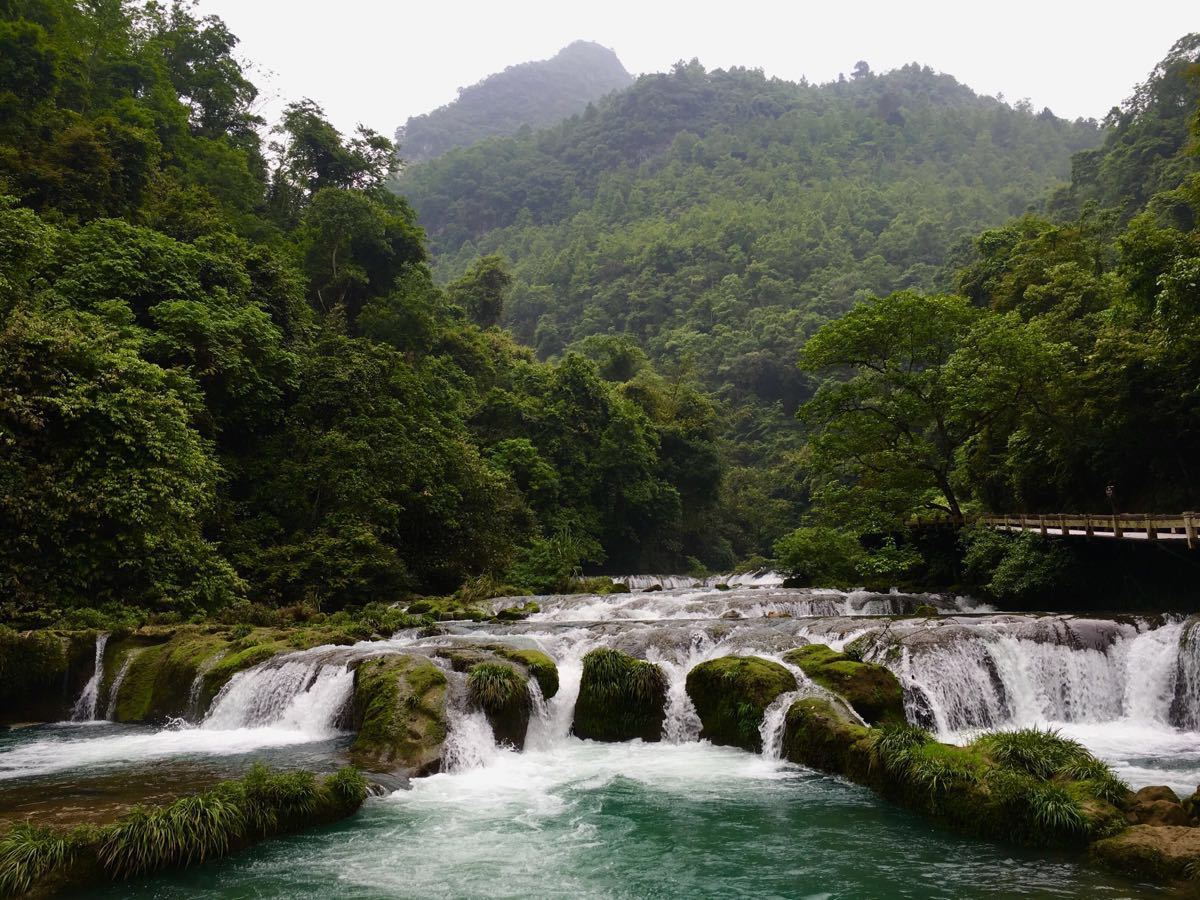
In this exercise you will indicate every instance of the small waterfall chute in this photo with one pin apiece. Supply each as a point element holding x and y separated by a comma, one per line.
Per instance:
<point>114,691</point>
<point>84,709</point>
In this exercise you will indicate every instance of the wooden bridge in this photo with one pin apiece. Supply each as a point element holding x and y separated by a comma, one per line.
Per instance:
<point>1121,526</point>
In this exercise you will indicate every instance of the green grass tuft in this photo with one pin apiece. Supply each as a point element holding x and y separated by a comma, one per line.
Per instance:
<point>497,688</point>
<point>188,831</point>
<point>28,854</point>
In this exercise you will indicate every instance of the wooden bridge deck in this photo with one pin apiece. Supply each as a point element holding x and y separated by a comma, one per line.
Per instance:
<point>1122,526</point>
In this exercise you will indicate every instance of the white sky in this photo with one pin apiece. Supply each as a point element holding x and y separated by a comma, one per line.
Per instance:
<point>379,62</point>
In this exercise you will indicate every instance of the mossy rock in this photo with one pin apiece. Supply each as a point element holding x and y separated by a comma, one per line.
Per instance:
<point>620,698</point>
<point>158,683</point>
<point>35,668</point>
<point>976,789</point>
<point>732,693</point>
<point>399,715</point>
<point>820,734</point>
<point>517,613</point>
<point>872,690</point>
<point>1154,852</point>
<point>539,666</point>
<point>501,690</point>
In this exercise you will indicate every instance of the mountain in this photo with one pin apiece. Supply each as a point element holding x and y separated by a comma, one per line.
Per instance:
<point>533,93</point>
<point>713,220</point>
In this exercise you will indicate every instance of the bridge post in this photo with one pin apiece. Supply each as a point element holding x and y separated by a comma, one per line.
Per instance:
<point>1087,526</point>
<point>1189,527</point>
<point>1066,529</point>
<point>1117,532</point>
<point>1151,531</point>
<point>1042,525</point>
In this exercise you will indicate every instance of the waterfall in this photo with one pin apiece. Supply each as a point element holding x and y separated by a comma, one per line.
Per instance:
<point>301,692</point>
<point>470,743</point>
<point>194,713</point>
<point>980,679</point>
<point>84,709</point>
<point>774,718</point>
<point>115,690</point>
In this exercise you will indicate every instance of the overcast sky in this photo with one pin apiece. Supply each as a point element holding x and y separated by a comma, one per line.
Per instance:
<point>379,62</point>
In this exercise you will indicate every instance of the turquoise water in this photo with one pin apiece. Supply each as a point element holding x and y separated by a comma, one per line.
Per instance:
<point>634,820</point>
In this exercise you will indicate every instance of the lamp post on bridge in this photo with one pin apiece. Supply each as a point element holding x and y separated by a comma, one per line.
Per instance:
<point>1111,493</point>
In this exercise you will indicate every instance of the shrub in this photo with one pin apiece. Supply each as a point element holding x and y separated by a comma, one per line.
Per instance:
<point>28,854</point>
<point>820,556</point>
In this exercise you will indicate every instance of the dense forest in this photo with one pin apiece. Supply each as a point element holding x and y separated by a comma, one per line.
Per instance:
<point>529,95</point>
<point>226,372</point>
<point>1065,361</point>
<point>712,221</point>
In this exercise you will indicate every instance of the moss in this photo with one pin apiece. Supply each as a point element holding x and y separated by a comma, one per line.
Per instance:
<point>539,666</point>
<point>732,693</point>
<point>502,692</point>
<point>244,654</point>
<point>1155,852</point>
<point>33,674</point>
<point>399,714</point>
<point>517,613</point>
<point>963,787</point>
<point>230,817</point>
<point>872,690</point>
<point>620,698</point>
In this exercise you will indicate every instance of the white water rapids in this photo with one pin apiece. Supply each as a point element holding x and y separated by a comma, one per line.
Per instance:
<point>1128,689</point>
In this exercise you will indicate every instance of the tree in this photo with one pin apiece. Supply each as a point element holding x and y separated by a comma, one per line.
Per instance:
<point>482,290</point>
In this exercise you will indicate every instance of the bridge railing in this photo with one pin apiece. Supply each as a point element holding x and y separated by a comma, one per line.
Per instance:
<point>1131,526</point>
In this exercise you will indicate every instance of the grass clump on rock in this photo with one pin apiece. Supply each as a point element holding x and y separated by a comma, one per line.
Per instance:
<point>732,693</point>
<point>620,698</point>
<point>503,694</point>
<point>231,816</point>
<point>872,690</point>
<point>539,666</point>
<point>1024,787</point>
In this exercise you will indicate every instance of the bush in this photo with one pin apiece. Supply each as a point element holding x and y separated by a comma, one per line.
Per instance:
<point>820,556</point>
<point>1019,567</point>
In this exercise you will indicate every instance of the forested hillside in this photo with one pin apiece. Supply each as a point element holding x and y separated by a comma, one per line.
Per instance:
<point>1066,361</point>
<point>227,375</point>
<point>713,220</point>
<point>533,94</point>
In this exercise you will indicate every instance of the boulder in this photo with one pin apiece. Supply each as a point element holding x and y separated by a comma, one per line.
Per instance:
<point>501,690</point>
<point>732,693</point>
<point>1157,852</point>
<point>620,698</point>
<point>872,690</point>
<point>399,714</point>
<point>1156,805</point>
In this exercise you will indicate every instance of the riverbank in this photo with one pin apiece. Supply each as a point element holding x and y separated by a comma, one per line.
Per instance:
<point>442,697</point>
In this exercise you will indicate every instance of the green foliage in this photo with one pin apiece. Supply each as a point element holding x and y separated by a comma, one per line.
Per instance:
<point>188,831</point>
<point>496,688</point>
<point>1014,566</point>
<point>28,854</point>
<point>820,556</point>
<point>533,94</point>
<point>1068,363</point>
<point>620,697</point>
<point>715,220</point>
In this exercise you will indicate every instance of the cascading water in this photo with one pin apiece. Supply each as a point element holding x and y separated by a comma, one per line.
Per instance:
<point>303,693</point>
<point>195,692</point>
<point>114,690</point>
<point>85,707</point>
<point>984,680</point>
